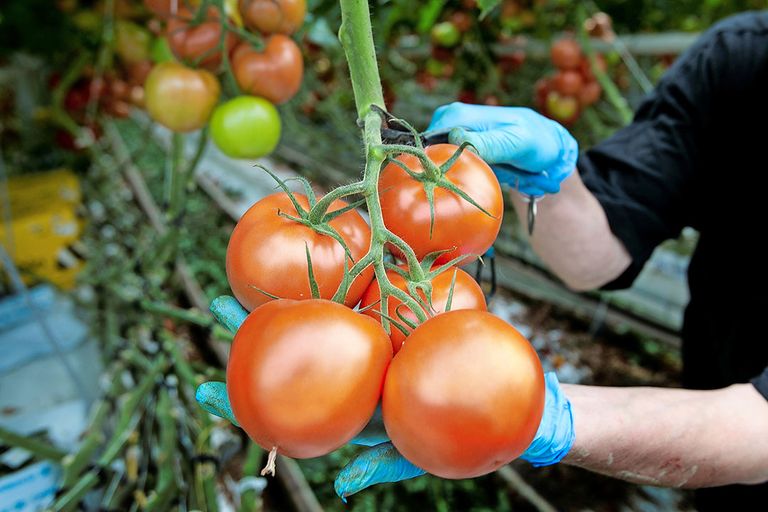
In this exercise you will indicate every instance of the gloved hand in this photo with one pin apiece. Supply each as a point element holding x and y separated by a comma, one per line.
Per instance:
<point>526,150</point>
<point>383,463</point>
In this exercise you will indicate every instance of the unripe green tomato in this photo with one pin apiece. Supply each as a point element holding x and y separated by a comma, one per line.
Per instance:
<point>446,34</point>
<point>160,51</point>
<point>132,42</point>
<point>246,127</point>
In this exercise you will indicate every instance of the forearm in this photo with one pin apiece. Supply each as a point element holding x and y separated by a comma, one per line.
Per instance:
<point>573,238</point>
<point>671,437</point>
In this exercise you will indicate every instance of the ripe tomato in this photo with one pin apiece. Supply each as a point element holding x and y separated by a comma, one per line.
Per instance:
<point>273,16</point>
<point>568,83</point>
<point>197,44</point>
<point>268,252</point>
<point>467,294</point>
<point>566,54</point>
<point>305,376</point>
<point>180,98</point>
<point>464,396</point>
<point>274,73</point>
<point>457,223</point>
<point>590,94</point>
<point>246,127</point>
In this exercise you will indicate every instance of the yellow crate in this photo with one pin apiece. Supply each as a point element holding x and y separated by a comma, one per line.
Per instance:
<point>44,226</point>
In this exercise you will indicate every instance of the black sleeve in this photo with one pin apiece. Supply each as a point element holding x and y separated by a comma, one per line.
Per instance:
<point>761,383</point>
<point>643,174</point>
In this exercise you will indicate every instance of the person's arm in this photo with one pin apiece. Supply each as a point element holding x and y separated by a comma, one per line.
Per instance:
<point>671,437</point>
<point>573,238</point>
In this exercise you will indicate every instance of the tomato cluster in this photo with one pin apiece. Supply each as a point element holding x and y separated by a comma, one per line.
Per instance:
<point>573,87</point>
<point>265,63</point>
<point>462,392</point>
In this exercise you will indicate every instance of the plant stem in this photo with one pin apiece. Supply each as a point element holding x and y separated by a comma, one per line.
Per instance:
<point>39,449</point>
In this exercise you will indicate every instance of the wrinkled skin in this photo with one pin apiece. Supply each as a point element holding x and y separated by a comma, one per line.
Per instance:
<point>458,225</point>
<point>467,294</point>
<point>274,73</point>
<point>180,98</point>
<point>268,252</point>
<point>464,396</point>
<point>304,377</point>
<point>273,16</point>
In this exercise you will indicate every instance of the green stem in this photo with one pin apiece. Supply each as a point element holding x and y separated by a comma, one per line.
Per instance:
<point>612,93</point>
<point>319,210</point>
<point>40,449</point>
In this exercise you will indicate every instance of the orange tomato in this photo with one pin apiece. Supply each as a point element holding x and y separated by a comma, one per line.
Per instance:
<point>467,294</point>
<point>273,16</point>
<point>274,73</point>
<point>304,377</point>
<point>464,396</point>
<point>458,225</point>
<point>268,252</point>
<point>198,44</point>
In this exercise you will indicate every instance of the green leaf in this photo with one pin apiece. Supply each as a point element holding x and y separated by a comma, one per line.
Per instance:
<point>301,211</point>
<point>449,185</point>
<point>429,14</point>
<point>325,229</point>
<point>415,175</point>
<point>446,166</point>
<point>312,282</point>
<point>310,193</point>
<point>429,190</point>
<point>429,259</point>
<point>445,266</point>
<point>369,306</point>
<point>341,211</point>
<point>271,296</point>
<point>400,327</point>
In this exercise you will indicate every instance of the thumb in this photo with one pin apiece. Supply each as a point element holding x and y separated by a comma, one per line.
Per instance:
<point>376,465</point>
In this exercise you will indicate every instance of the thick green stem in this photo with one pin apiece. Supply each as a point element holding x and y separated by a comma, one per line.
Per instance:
<point>319,210</point>
<point>39,449</point>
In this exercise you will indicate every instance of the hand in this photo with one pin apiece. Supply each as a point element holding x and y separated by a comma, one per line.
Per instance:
<point>383,463</point>
<point>526,150</point>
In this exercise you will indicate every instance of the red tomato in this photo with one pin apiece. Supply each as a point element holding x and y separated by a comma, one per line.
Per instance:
<point>464,396</point>
<point>458,225</point>
<point>164,8</point>
<point>568,83</point>
<point>590,94</point>
<point>273,16</point>
<point>566,54</point>
<point>180,98</point>
<point>198,44</point>
<point>268,252</point>
<point>467,294</point>
<point>304,377</point>
<point>274,73</point>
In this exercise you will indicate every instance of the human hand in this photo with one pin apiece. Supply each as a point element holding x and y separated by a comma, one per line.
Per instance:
<point>383,463</point>
<point>526,150</point>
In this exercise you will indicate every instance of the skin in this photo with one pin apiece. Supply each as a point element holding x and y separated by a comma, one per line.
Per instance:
<point>273,16</point>
<point>646,436</point>
<point>199,44</point>
<point>180,98</point>
<point>274,73</point>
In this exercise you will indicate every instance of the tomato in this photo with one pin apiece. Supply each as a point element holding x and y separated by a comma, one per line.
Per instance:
<point>563,109</point>
<point>446,34</point>
<point>180,98</point>
<point>586,68</point>
<point>566,54</point>
<point>198,44</point>
<point>131,42</point>
<point>139,71</point>
<point>274,73</point>
<point>464,396</point>
<point>590,94</point>
<point>268,252</point>
<point>457,223</point>
<point>273,16</point>
<point>246,127</point>
<point>568,83</point>
<point>467,294</point>
<point>304,377</point>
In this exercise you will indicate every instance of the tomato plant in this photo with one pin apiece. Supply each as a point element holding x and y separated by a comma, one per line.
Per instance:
<point>274,73</point>
<point>454,224</point>
<point>267,252</point>
<point>464,396</point>
<point>273,16</point>
<point>180,98</point>
<point>245,127</point>
<point>304,377</point>
<point>467,294</point>
<point>198,44</point>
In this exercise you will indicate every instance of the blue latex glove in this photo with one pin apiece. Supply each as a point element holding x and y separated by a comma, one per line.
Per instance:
<point>383,463</point>
<point>526,150</point>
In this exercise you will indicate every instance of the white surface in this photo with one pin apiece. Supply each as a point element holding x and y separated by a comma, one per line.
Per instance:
<point>29,489</point>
